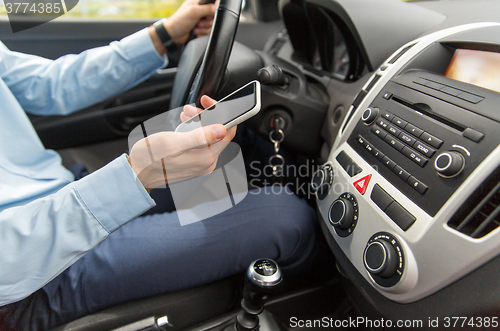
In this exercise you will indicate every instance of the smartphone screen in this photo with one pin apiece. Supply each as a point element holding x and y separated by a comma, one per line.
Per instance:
<point>229,111</point>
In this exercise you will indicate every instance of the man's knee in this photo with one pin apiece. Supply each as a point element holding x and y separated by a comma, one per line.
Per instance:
<point>286,217</point>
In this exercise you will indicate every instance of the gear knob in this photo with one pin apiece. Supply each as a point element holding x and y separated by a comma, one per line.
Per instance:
<point>263,277</point>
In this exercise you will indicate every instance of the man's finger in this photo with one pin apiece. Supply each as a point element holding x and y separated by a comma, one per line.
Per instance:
<point>201,137</point>
<point>189,111</point>
<point>202,32</point>
<point>207,101</point>
<point>206,10</point>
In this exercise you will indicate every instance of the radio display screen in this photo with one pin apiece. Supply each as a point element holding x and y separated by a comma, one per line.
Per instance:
<point>478,68</point>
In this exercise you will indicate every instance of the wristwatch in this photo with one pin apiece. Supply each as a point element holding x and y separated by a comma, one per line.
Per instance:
<point>165,38</point>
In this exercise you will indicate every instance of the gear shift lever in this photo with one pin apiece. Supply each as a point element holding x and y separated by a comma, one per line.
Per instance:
<point>263,277</point>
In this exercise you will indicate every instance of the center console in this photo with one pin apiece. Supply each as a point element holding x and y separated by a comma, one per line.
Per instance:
<point>410,190</point>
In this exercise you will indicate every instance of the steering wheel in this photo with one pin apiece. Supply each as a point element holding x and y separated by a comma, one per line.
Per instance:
<point>192,82</point>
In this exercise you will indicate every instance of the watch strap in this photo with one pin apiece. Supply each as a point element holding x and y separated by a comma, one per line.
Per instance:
<point>165,38</point>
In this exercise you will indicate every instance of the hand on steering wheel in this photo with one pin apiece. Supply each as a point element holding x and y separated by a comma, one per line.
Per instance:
<point>190,16</point>
<point>193,81</point>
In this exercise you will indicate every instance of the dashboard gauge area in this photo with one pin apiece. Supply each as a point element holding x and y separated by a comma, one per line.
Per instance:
<point>323,42</point>
<point>341,58</point>
<point>333,52</point>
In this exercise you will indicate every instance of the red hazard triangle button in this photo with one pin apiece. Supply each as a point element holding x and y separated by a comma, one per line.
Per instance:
<point>362,184</point>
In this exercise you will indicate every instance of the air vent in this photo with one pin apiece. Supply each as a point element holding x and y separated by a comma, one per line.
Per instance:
<point>480,214</point>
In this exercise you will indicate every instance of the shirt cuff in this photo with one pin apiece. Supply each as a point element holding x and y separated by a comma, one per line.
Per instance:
<point>114,194</point>
<point>139,50</point>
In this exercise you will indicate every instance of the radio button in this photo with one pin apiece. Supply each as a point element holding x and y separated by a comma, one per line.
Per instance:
<point>407,138</point>
<point>388,116</point>
<point>378,154</point>
<point>426,150</point>
<point>403,174</point>
<point>414,156</point>
<point>431,140</point>
<point>414,130</point>
<point>417,185</point>
<point>394,130</point>
<point>394,142</point>
<point>388,163</point>
<point>378,132</point>
<point>399,122</point>
<point>382,123</point>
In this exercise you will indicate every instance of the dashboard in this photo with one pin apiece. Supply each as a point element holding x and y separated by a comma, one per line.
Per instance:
<point>408,191</point>
<point>420,145</point>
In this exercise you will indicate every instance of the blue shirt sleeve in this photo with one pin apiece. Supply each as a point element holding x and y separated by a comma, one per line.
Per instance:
<point>48,222</point>
<point>44,237</point>
<point>73,82</point>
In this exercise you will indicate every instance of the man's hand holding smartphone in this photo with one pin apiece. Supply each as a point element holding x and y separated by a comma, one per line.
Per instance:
<point>168,157</point>
<point>231,110</point>
<point>193,150</point>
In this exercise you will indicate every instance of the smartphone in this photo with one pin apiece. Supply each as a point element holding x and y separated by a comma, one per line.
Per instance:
<point>235,108</point>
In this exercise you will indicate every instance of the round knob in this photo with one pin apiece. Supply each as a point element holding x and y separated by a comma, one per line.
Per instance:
<point>321,181</point>
<point>369,115</point>
<point>449,164</point>
<point>342,213</point>
<point>380,258</point>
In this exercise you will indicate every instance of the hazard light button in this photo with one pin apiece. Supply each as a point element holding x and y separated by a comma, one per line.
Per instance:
<point>362,184</point>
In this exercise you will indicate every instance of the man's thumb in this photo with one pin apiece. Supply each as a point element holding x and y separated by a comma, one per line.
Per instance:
<point>218,133</point>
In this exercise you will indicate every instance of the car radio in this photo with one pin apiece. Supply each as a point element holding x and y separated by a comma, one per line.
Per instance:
<point>409,187</point>
<point>424,146</point>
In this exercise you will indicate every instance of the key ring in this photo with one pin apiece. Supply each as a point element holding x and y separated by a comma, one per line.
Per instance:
<point>280,139</point>
<point>279,157</point>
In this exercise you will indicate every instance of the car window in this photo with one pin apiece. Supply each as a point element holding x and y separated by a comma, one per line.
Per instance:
<point>94,8</point>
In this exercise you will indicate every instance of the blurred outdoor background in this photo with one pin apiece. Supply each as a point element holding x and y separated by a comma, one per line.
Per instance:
<point>115,8</point>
